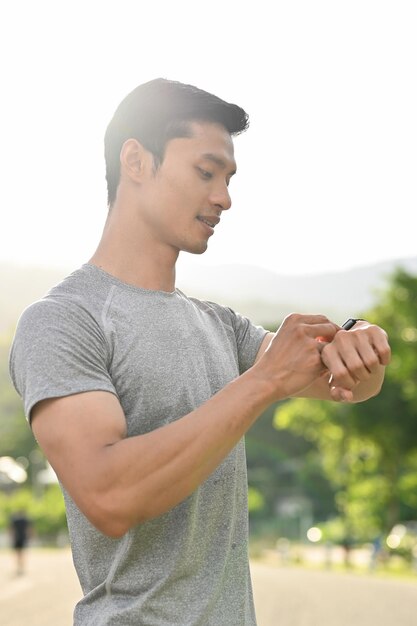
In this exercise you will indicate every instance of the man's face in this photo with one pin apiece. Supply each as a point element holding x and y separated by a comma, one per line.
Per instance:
<point>189,191</point>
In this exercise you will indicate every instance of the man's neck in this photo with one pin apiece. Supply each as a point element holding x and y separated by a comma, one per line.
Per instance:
<point>135,260</point>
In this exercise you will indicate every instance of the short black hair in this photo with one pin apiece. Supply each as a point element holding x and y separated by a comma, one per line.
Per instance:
<point>160,110</point>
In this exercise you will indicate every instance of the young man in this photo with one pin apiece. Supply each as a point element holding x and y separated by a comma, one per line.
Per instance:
<point>140,396</point>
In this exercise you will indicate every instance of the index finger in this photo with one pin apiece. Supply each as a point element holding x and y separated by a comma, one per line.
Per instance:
<point>322,332</point>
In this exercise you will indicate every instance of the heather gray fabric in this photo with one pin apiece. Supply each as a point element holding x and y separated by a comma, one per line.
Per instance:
<point>162,354</point>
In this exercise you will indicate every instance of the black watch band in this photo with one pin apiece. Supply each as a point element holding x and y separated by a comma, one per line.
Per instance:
<point>351,322</point>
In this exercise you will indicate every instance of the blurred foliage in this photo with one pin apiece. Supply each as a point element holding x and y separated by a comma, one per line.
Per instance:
<point>46,512</point>
<point>368,451</point>
<point>283,466</point>
<point>256,500</point>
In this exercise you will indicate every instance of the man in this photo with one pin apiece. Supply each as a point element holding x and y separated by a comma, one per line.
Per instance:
<point>20,527</point>
<point>140,396</point>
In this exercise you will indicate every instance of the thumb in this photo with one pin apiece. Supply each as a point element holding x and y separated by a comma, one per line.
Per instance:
<point>339,394</point>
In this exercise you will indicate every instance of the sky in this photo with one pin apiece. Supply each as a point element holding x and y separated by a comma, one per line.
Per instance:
<point>326,172</point>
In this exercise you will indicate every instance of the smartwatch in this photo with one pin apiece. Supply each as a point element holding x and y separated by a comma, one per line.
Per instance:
<point>351,322</point>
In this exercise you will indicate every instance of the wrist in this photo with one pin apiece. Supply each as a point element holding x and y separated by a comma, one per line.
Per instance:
<point>269,384</point>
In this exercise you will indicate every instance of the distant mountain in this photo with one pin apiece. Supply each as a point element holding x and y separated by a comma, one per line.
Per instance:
<point>266,297</point>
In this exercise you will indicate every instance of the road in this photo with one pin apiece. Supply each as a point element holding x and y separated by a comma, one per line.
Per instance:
<point>285,596</point>
<point>298,597</point>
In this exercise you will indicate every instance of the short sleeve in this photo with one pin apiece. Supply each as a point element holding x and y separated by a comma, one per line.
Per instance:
<point>248,339</point>
<point>59,349</point>
<point>247,336</point>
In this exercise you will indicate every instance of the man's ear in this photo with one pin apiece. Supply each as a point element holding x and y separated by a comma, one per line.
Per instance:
<point>134,160</point>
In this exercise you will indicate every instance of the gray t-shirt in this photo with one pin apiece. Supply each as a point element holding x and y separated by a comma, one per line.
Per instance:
<point>162,354</point>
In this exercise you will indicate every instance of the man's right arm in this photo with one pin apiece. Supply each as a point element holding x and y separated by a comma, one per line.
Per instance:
<point>120,481</point>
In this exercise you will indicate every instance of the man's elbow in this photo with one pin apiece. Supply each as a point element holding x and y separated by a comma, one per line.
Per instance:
<point>108,516</point>
<point>114,522</point>
<point>115,529</point>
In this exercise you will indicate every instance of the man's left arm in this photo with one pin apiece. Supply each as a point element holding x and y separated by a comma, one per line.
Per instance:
<point>355,361</point>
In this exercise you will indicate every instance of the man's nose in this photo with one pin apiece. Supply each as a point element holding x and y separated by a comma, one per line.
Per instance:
<point>221,199</point>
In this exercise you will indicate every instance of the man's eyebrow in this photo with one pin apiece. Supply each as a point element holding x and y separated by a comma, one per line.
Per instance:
<point>209,156</point>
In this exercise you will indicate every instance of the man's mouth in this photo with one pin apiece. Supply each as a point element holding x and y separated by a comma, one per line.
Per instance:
<point>212,221</point>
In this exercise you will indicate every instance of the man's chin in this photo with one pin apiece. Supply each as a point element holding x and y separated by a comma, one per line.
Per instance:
<point>197,249</point>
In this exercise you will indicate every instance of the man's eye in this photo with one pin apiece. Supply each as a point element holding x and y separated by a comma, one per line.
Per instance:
<point>205,174</point>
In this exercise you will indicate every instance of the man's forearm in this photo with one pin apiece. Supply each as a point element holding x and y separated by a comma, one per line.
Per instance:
<point>152,473</point>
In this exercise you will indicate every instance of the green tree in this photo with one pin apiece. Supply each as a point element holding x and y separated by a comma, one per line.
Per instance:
<point>369,450</point>
<point>47,513</point>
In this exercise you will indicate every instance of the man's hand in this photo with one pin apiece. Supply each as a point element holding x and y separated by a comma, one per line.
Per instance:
<point>356,359</point>
<point>292,361</point>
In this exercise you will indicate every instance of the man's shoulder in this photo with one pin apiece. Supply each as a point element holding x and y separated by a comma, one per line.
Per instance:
<point>82,285</point>
<point>84,282</point>
<point>77,296</point>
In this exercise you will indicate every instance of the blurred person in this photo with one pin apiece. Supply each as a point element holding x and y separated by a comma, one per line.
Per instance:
<point>378,554</point>
<point>20,528</point>
<point>140,396</point>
